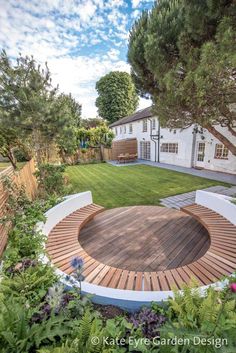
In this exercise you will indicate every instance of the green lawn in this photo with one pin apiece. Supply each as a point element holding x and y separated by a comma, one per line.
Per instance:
<point>4,165</point>
<point>132,185</point>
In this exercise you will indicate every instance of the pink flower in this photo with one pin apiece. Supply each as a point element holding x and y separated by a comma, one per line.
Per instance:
<point>233,287</point>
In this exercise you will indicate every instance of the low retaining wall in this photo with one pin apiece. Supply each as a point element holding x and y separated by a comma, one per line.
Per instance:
<point>126,299</point>
<point>219,203</point>
<point>70,204</point>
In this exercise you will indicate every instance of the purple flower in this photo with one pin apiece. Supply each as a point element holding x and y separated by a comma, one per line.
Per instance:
<point>233,287</point>
<point>149,322</point>
<point>77,262</point>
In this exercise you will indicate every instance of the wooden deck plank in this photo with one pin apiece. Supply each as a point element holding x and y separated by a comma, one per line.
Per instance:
<point>159,245</point>
<point>139,281</point>
<point>123,280</point>
<point>165,236</point>
<point>130,282</point>
<point>147,281</point>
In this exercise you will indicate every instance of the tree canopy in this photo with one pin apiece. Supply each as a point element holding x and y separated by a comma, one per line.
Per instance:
<point>92,122</point>
<point>32,109</point>
<point>117,96</point>
<point>182,54</point>
<point>96,137</point>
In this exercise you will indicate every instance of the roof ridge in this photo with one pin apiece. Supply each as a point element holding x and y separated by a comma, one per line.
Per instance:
<point>134,116</point>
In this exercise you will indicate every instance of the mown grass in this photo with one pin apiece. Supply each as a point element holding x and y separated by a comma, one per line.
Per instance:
<point>4,165</point>
<point>132,185</point>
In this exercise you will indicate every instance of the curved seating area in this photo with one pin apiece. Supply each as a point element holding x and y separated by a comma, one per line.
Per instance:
<point>220,258</point>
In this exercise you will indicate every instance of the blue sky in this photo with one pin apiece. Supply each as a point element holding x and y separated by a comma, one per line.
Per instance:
<point>81,40</point>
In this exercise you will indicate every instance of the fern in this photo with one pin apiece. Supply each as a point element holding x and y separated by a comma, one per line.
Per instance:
<point>87,328</point>
<point>210,315</point>
<point>31,284</point>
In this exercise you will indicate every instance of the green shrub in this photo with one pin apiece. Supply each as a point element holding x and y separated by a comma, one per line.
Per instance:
<point>25,241</point>
<point>19,335</point>
<point>31,284</point>
<point>197,317</point>
<point>50,178</point>
<point>22,154</point>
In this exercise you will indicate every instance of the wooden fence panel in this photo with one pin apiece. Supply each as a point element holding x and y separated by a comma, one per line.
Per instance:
<point>25,177</point>
<point>124,146</point>
<point>107,154</point>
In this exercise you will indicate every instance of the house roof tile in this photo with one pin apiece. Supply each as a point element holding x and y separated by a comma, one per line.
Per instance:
<point>140,114</point>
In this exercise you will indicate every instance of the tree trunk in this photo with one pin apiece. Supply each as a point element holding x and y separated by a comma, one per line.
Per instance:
<point>231,147</point>
<point>233,132</point>
<point>12,159</point>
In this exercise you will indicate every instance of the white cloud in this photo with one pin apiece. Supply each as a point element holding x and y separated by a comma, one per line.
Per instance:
<point>136,13</point>
<point>113,54</point>
<point>135,3</point>
<point>86,10</point>
<point>79,76</point>
<point>57,31</point>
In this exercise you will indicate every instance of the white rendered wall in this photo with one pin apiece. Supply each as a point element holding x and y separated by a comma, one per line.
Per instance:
<point>126,299</point>
<point>138,134</point>
<point>219,203</point>
<point>184,138</point>
<point>63,209</point>
<point>211,163</point>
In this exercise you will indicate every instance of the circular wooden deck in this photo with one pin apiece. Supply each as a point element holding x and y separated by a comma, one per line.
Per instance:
<point>144,238</point>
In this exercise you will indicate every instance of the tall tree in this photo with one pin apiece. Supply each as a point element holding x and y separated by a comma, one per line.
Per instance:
<point>32,107</point>
<point>92,122</point>
<point>98,137</point>
<point>8,142</point>
<point>67,138</point>
<point>189,48</point>
<point>117,96</point>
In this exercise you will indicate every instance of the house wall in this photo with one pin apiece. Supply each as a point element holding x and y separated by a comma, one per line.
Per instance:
<point>137,133</point>
<point>184,138</point>
<point>211,163</point>
<point>187,145</point>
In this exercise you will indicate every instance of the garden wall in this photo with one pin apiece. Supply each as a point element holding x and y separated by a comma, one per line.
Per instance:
<point>219,203</point>
<point>25,177</point>
<point>91,155</point>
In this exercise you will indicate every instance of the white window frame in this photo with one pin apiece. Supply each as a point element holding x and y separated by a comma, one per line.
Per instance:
<point>170,147</point>
<point>145,150</point>
<point>221,151</point>
<point>130,128</point>
<point>145,125</point>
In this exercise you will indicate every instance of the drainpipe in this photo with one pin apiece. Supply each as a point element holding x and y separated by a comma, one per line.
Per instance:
<point>159,136</point>
<point>194,146</point>
<point>154,140</point>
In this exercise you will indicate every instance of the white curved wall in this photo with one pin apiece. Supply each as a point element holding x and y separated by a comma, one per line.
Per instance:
<point>70,204</point>
<point>126,299</point>
<point>219,203</point>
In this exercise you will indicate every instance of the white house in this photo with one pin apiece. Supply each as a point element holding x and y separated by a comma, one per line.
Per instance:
<point>183,147</point>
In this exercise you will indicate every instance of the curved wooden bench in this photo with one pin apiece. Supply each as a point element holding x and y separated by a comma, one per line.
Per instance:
<point>219,260</point>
